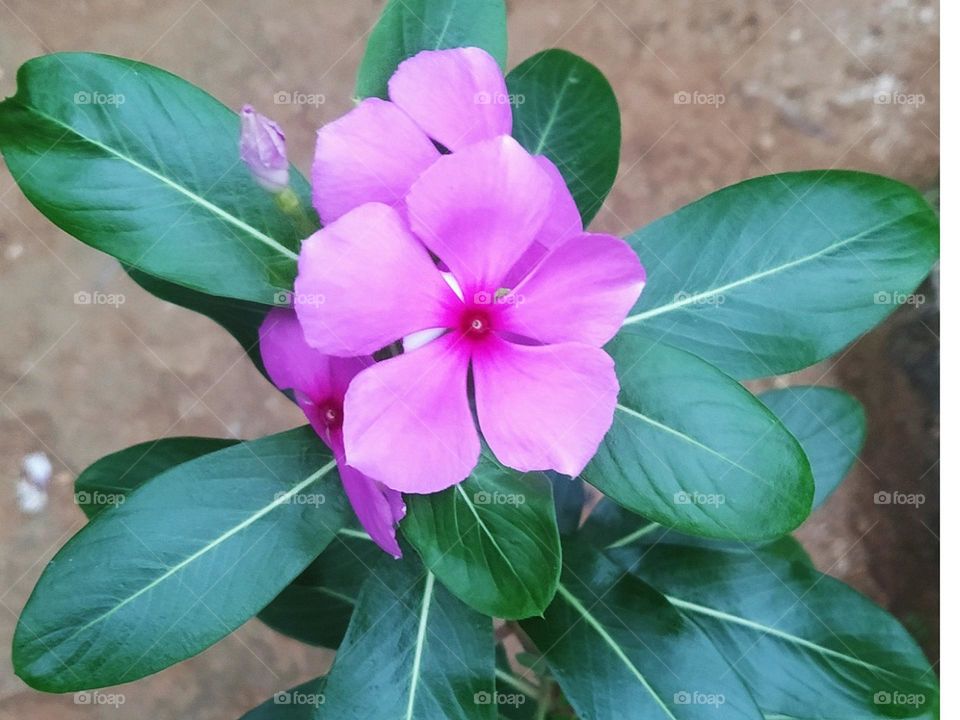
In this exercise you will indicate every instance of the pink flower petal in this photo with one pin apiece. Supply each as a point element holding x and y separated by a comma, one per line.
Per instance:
<point>544,407</point>
<point>408,422</point>
<point>563,222</point>
<point>378,508</point>
<point>364,281</point>
<point>371,154</point>
<point>458,97</point>
<point>294,365</point>
<point>288,360</point>
<point>320,383</point>
<point>479,209</point>
<point>581,292</point>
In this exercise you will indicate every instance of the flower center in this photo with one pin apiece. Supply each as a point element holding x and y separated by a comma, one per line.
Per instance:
<point>475,323</point>
<point>332,415</point>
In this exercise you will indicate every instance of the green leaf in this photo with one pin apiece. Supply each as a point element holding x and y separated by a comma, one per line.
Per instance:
<point>806,645</point>
<point>316,607</point>
<point>144,166</point>
<point>779,272</point>
<point>564,108</point>
<point>615,529</point>
<point>610,525</point>
<point>568,500</point>
<point>619,650</point>
<point>408,26</point>
<point>184,561</point>
<point>830,425</point>
<point>240,318</point>
<point>110,479</point>
<point>694,450</point>
<point>412,651</point>
<point>299,703</point>
<point>492,539</point>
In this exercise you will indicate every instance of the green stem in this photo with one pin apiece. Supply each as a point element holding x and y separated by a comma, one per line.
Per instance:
<point>289,203</point>
<point>545,701</point>
<point>517,683</point>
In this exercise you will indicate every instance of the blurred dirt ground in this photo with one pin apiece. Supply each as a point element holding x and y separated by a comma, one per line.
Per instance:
<point>805,84</point>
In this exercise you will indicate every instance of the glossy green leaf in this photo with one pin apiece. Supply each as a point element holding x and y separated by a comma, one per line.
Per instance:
<point>806,645</point>
<point>298,703</point>
<point>830,425</point>
<point>779,272</point>
<point>610,525</point>
<point>144,166</point>
<point>412,651</point>
<point>619,650</point>
<point>569,497</point>
<point>615,529</point>
<point>184,561</point>
<point>564,108</point>
<point>408,26</point>
<point>109,480</point>
<point>692,449</point>
<point>492,539</point>
<point>316,607</point>
<point>240,318</point>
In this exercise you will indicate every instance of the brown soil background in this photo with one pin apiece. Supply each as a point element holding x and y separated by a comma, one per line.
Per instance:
<point>799,78</point>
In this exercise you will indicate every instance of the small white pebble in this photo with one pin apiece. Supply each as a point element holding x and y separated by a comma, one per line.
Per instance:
<point>30,498</point>
<point>37,469</point>
<point>13,251</point>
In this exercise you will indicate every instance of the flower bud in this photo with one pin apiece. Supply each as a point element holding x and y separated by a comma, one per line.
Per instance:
<point>263,149</point>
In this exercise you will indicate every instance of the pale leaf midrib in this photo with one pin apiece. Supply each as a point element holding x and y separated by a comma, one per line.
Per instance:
<point>618,651</point>
<point>266,509</point>
<point>421,639</point>
<point>787,637</point>
<point>686,438</point>
<point>753,277</point>
<point>194,197</point>
<point>486,531</point>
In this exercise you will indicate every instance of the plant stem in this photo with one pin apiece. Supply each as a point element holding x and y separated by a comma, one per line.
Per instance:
<point>545,700</point>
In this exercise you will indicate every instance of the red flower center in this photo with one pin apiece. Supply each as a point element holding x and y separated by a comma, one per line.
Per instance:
<point>476,323</point>
<point>331,413</point>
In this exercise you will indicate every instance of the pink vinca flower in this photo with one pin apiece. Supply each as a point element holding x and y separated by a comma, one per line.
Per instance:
<point>319,384</point>
<point>452,98</point>
<point>528,328</point>
<point>374,153</point>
